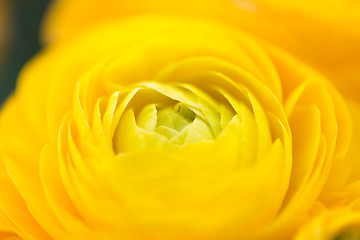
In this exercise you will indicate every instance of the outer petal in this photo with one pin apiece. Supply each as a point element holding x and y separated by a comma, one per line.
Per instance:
<point>337,223</point>
<point>322,33</point>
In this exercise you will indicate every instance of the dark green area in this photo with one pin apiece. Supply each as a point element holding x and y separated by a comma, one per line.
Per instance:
<point>351,234</point>
<point>27,16</point>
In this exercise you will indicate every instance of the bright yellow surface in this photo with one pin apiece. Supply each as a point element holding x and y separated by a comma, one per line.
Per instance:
<point>169,128</point>
<point>324,33</point>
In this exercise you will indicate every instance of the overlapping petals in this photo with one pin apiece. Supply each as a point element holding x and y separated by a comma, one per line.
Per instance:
<point>175,129</point>
<point>323,33</point>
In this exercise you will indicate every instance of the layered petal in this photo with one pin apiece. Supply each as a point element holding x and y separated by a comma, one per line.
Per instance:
<point>322,33</point>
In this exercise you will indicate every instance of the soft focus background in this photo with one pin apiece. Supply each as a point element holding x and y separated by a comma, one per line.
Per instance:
<point>19,38</point>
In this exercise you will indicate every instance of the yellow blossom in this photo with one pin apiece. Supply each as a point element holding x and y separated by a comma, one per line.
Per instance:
<point>167,128</point>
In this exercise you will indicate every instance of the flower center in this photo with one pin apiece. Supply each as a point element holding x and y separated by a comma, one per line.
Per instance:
<point>177,122</point>
<point>159,115</point>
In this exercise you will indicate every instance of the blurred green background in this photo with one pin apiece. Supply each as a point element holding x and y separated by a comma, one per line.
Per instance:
<point>23,33</point>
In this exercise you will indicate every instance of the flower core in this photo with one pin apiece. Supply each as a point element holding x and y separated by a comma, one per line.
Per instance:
<point>178,114</point>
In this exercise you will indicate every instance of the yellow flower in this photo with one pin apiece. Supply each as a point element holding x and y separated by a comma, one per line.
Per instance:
<point>167,128</point>
<point>324,33</point>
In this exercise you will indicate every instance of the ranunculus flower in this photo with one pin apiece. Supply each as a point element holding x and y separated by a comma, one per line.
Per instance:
<point>168,128</point>
<point>325,34</point>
